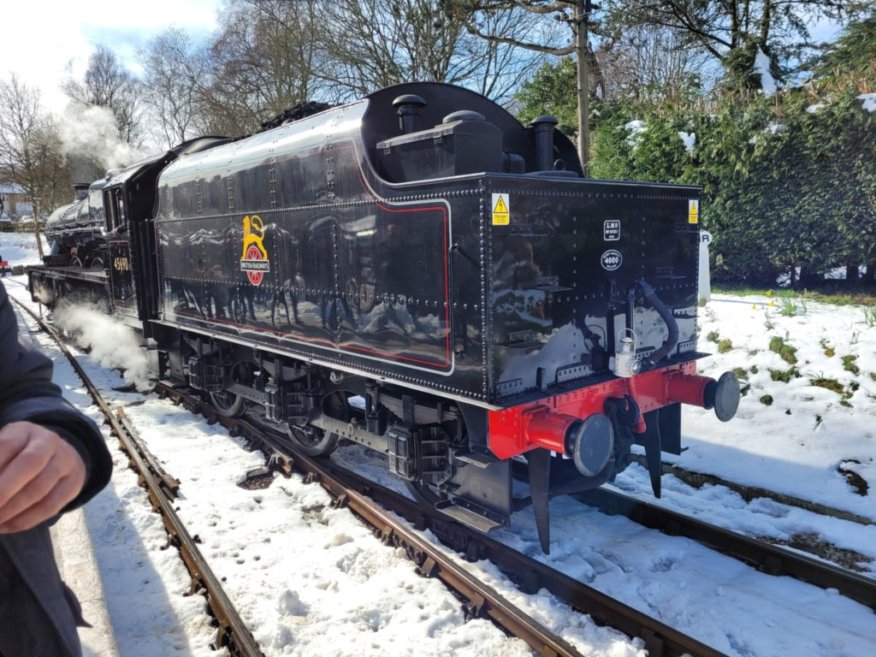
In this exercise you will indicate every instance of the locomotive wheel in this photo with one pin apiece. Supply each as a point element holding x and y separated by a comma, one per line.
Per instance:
<point>425,493</point>
<point>227,404</point>
<point>313,441</point>
<point>316,442</point>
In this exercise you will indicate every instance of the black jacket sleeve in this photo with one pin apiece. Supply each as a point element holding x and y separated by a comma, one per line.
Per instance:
<point>27,393</point>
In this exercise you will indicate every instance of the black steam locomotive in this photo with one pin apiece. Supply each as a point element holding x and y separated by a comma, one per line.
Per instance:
<point>419,273</point>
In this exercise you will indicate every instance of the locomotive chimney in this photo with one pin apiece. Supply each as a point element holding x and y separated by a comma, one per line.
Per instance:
<point>544,142</point>
<point>408,110</point>
<point>80,191</point>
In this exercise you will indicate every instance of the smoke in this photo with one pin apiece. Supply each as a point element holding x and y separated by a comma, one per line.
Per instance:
<point>90,133</point>
<point>111,344</point>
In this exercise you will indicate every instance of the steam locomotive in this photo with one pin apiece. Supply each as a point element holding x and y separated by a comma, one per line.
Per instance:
<point>418,273</point>
<point>75,231</point>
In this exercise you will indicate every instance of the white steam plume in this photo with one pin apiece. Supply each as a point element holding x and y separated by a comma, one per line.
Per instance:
<point>91,131</point>
<point>111,344</point>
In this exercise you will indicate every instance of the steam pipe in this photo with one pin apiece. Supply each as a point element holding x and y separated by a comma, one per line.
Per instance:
<point>666,315</point>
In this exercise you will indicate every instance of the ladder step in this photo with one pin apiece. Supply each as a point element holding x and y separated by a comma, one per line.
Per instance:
<point>467,516</point>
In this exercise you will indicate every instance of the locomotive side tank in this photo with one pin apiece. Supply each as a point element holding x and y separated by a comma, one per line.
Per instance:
<point>422,252</point>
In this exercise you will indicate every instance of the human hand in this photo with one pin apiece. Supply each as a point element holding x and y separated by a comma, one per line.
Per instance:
<point>40,473</point>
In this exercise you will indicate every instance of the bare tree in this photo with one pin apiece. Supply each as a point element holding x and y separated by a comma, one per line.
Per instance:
<point>174,70</point>
<point>30,150</point>
<point>264,60</point>
<point>377,43</point>
<point>270,55</point>
<point>18,126</point>
<point>108,84</point>
<point>732,31</point>
<point>577,15</point>
<point>504,66</point>
<point>651,64</point>
<point>52,169</point>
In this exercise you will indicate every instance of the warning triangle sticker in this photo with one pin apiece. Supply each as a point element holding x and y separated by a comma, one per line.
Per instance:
<point>501,210</point>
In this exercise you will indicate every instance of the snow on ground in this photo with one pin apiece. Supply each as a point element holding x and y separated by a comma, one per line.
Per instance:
<point>308,577</point>
<point>792,436</point>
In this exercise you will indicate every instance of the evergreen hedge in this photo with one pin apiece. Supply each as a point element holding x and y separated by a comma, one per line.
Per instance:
<point>789,181</point>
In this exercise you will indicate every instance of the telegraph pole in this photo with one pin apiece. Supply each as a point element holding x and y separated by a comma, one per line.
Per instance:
<point>581,48</point>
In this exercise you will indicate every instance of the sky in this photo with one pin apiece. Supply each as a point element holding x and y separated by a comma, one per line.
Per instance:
<point>309,578</point>
<point>45,43</point>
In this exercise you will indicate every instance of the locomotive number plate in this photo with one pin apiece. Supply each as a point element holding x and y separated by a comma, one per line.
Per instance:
<point>611,260</point>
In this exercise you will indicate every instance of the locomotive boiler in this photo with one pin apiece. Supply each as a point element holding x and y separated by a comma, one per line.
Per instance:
<point>419,273</point>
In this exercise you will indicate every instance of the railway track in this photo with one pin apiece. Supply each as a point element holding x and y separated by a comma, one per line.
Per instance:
<point>360,495</point>
<point>764,556</point>
<point>529,574</point>
<point>480,600</point>
<point>810,543</point>
<point>749,493</point>
<point>231,631</point>
<point>356,493</point>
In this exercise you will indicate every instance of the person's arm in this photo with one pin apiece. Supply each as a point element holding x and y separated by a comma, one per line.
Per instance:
<point>52,457</point>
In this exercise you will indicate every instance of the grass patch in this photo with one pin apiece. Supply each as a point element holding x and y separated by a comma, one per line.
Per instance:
<point>792,307</point>
<point>849,364</point>
<point>767,400</point>
<point>784,375</point>
<point>713,336</point>
<point>783,349</point>
<point>724,346</point>
<point>833,293</point>
<point>829,384</point>
<point>829,351</point>
<point>832,384</point>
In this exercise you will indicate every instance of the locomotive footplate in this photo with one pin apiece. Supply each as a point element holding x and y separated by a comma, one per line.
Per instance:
<point>478,493</point>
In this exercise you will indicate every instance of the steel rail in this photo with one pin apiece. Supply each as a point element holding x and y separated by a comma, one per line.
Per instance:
<point>231,631</point>
<point>766,557</point>
<point>480,599</point>
<point>168,483</point>
<point>660,639</point>
<point>748,493</point>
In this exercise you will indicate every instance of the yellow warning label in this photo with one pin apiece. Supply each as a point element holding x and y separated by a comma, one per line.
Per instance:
<point>501,210</point>
<point>693,212</point>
